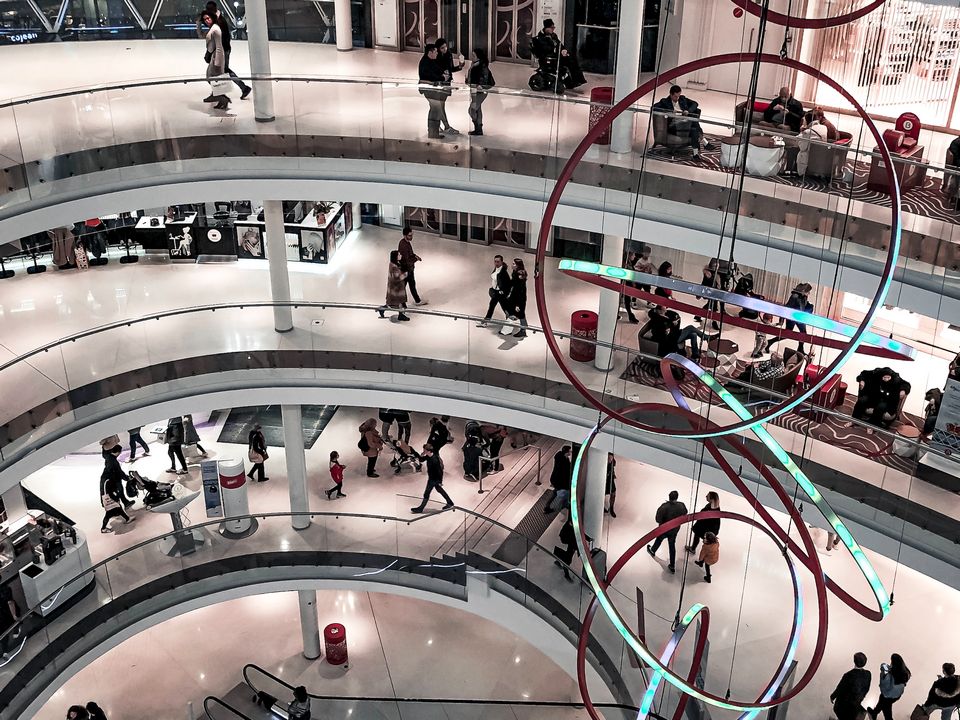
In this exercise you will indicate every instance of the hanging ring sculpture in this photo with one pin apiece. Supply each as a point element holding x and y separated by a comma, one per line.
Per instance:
<point>700,428</point>
<point>806,23</point>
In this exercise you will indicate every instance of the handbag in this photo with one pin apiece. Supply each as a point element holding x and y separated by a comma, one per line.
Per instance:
<point>108,502</point>
<point>80,253</point>
<point>206,57</point>
<point>919,713</point>
<point>492,292</point>
<point>254,456</point>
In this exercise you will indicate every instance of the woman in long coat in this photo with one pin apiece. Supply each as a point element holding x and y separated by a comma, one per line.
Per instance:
<point>396,288</point>
<point>217,61</point>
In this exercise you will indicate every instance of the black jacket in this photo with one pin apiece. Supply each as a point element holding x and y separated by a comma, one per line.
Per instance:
<point>562,468</point>
<point>480,76</point>
<point>503,281</point>
<point>447,65</point>
<point>702,527</point>
<point>876,391</point>
<point>435,469</point>
<point>431,73</point>
<point>545,45</point>
<point>257,442</point>
<point>852,688</point>
<point>439,436</point>
<point>669,510</point>
<point>945,692</point>
<point>691,107</point>
<point>518,292</point>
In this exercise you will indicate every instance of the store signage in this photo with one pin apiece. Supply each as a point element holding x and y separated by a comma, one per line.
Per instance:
<point>386,24</point>
<point>210,476</point>
<point>946,434</point>
<point>550,10</point>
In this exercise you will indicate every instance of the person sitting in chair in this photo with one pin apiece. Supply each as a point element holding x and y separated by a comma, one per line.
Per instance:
<point>785,109</point>
<point>880,395</point>
<point>682,108</point>
<point>554,58</point>
<point>663,327</point>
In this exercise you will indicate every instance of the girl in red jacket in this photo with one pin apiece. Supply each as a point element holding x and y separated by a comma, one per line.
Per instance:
<point>336,472</point>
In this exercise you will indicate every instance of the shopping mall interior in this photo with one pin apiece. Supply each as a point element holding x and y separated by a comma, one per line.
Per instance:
<point>510,359</point>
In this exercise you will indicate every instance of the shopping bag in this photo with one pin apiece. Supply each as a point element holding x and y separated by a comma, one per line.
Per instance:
<point>220,84</point>
<point>81,256</point>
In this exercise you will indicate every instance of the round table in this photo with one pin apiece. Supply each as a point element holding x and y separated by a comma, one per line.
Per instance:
<point>906,448</point>
<point>765,155</point>
<point>723,346</point>
<point>731,151</point>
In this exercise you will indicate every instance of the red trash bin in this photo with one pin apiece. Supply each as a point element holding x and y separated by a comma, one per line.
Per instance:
<point>335,643</point>
<point>601,100</point>
<point>583,324</point>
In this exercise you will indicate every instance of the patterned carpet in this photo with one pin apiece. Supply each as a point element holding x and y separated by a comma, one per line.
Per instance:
<point>927,200</point>
<point>853,439</point>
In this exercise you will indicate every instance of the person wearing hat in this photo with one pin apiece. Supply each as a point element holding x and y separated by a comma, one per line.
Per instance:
<point>547,46</point>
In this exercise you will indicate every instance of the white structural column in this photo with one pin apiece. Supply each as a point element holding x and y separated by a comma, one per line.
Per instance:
<point>628,72</point>
<point>277,264</point>
<point>296,458</point>
<point>343,24</point>
<point>594,492</point>
<point>609,304</point>
<point>258,47</point>
<point>309,624</point>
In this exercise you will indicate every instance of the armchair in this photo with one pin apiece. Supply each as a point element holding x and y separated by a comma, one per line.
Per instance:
<point>826,160</point>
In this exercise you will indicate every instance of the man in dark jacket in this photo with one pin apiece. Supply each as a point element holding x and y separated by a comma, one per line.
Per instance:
<point>408,262</point>
<point>670,510</point>
<point>944,693</point>
<point>550,53</point>
<point>439,433</point>
<point>430,73</point>
<point>853,687</point>
<point>681,108</point>
<point>879,396</point>
<point>785,109</point>
<point>560,479</point>
<point>434,479</point>
<point>499,289</point>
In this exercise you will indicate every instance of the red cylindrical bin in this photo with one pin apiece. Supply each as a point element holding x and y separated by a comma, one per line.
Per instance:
<point>601,100</point>
<point>583,324</point>
<point>335,643</point>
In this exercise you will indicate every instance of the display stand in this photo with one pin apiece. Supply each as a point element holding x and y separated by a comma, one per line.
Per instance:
<point>128,258</point>
<point>37,268</point>
<point>183,541</point>
<point>4,273</point>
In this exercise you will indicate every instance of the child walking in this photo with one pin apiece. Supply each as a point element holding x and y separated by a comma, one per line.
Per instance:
<point>336,472</point>
<point>709,553</point>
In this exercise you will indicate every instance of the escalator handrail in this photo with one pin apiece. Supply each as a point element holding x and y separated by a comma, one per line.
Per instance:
<point>213,699</point>
<point>435,701</point>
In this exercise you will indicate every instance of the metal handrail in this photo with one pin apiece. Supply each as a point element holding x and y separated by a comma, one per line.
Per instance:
<point>295,304</point>
<point>412,83</point>
<point>496,461</point>
<point>437,701</point>
<point>210,699</point>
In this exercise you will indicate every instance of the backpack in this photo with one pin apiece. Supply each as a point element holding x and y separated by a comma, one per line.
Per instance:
<point>363,444</point>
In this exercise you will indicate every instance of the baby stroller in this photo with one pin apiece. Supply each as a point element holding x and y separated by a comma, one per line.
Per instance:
<point>403,455</point>
<point>155,493</point>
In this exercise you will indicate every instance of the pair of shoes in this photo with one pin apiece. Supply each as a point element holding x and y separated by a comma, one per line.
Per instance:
<point>697,318</point>
<point>403,318</point>
<point>373,474</point>
<point>416,510</point>
<point>451,131</point>
<point>696,153</point>
<point>651,551</point>
<point>210,98</point>
<point>698,563</point>
<point>146,453</point>
<point>421,301</point>
<point>171,470</point>
<point>223,104</point>
<point>672,569</point>
<point>329,494</point>
<point>706,578</point>
<point>448,506</point>
<point>689,549</point>
<point>203,454</point>
<point>106,530</point>
<point>482,324</point>
<point>246,93</point>
<point>129,520</point>
<point>709,146</point>
<point>521,334</point>
<point>475,133</point>
<point>380,310</point>
<point>183,472</point>
<point>613,513</point>
<point>263,480</point>
<point>341,494</point>
<point>715,325</point>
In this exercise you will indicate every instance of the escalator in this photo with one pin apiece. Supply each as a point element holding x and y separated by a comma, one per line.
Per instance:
<point>239,704</point>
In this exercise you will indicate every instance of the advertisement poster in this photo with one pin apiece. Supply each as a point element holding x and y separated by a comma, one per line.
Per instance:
<point>250,242</point>
<point>220,240</point>
<point>181,244</point>
<point>946,435</point>
<point>210,475</point>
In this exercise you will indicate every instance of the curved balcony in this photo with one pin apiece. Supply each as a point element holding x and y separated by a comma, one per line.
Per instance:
<point>72,392</point>
<point>453,557</point>
<point>79,153</point>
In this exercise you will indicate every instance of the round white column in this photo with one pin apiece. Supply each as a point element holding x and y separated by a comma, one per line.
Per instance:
<point>258,48</point>
<point>296,464</point>
<point>628,72</point>
<point>309,624</point>
<point>609,307</point>
<point>277,262</point>
<point>594,492</point>
<point>343,23</point>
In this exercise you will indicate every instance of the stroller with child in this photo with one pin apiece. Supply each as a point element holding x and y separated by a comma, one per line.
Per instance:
<point>154,493</point>
<point>403,455</point>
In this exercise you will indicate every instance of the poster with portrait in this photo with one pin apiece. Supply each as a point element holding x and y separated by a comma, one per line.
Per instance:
<point>946,434</point>
<point>250,242</point>
<point>313,245</point>
<point>181,243</point>
<point>221,240</point>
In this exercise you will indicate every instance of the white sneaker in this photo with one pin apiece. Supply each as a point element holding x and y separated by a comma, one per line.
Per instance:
<point>696,153</point>
<point>422,302</point>
<point>452,131</point>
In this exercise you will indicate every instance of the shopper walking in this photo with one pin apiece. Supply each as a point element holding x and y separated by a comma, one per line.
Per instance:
<point>472,454</point>
<point>448,66</point>
<point>224,24</point>
<point>944,693</point>
<point>408,263</point>
<point>299,707</point>
<point>480,80</point>
<point>257,453</point>
<point>77,712</point>
<point>517,300</point>
<point>709,554</point>
<point>440,434</point>
<point>560,480</point>
<point>568,537</point>
<point>629,262</point>
<point>670,510</point>
<point>611,489</point>
<point>853,687</point>
<point>9,614</point>
<point>370,444</point>
<point>115,473</point>
<point>434,479</point>
<point>173,437</point>
<point>336,473</point>
<point>216,62</point>
<point>190,435</point>
<point>431,79</point>
<point>705,525</point>
<point>396,288</point>
<point>111,498</point>
<point>894,677</point>
<point>95,712</point>
<point>404,424</point>
<point>499,289</point>
<point>137,439</point>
